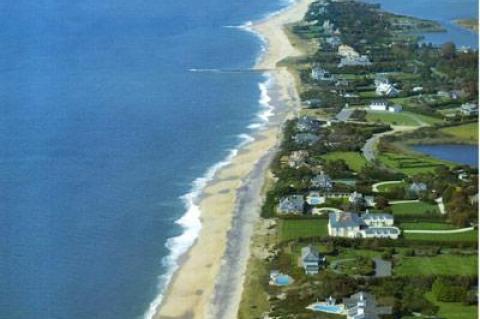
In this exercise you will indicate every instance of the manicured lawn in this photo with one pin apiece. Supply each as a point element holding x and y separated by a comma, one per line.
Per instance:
<point>385,188</point>
<point>427,226</point>
<point>427,119</point>
<point>392,118</point>
<point>302,228</point>
<point>353,159</point>
<point>411,164</point>
<point>453,310</point>
<point>413,208</point>
<point>402,118</point>
<point>467,132</point>
<point>439,265</point>
<point>466,236</point>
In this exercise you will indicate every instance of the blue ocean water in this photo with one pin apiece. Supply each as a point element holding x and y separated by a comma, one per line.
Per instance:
<point>102,130</point>
<point>443,11</point>
<point>458,153</point>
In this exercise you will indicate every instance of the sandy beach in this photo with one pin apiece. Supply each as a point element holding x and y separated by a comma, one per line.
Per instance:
<point>209,282</point>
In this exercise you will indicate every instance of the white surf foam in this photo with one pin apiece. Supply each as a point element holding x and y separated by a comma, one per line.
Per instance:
<point>191,225</point>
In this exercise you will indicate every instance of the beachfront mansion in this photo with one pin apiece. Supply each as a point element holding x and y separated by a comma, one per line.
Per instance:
<point>353,225</point>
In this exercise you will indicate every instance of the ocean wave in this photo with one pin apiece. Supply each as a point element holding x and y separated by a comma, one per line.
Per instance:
<point>190,224</point>
<point>267,109</point>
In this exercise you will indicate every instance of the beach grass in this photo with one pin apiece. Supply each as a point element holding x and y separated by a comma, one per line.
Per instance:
<point>415,208</point>
<point>302,228</point>
<point>441,265</point>
<point>453,310</point>
<point>254,298</point>
<point>466,132</point>
<point>354,160</point>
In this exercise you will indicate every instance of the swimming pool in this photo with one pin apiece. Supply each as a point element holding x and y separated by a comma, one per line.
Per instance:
<point>326,308</point>
<point>283,280</point>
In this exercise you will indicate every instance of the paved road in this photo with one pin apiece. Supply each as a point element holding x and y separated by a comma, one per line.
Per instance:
<point>406,201</point>
<point>369,149</point>
<point>383,268</point>
<point>376,185</point>
<point>446,231</point>
<point>344,114</point>
<point>441,205</point>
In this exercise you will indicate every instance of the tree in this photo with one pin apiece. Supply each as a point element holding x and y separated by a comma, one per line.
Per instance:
<point>382,202</point>
<point>448,50</point>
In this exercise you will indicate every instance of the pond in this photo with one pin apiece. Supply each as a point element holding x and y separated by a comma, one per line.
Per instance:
<point>458,153</point>
<point>443,11</point>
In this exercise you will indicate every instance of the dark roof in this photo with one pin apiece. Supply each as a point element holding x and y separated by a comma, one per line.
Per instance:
<point>310,254</point>
<point>344,219</point>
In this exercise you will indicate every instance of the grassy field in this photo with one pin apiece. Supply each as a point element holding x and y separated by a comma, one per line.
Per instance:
<point>453,310</point>
<point>427,226</point>
<point>403,118</point>
<point>466,132</point>
<point>388,187</point>
<point>418,208</point>
<point>302,228</point>
<point>353,159</point>
<point>411,164</point>
<point>392,118</point>
<point>466,236</point>
<point>440,265</point>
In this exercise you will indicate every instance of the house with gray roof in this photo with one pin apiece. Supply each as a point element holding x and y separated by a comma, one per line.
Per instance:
<point>344,224</point>
<point>469,109</point>
<point>417,188</point>
<point>322,181</point>
<point>308,124</point>
<point>311,260</point>
<point>320,74</point>
<point>363,305</point>
<point>352,60</point>
<point>292,204</point>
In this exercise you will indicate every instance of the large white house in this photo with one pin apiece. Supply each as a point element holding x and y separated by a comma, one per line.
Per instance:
<point>352,225</point>
<point>378,105</point>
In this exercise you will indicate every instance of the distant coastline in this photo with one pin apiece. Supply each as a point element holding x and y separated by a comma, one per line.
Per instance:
<point>470,24</point>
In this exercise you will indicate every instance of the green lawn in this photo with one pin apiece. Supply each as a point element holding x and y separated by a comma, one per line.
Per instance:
<point>402,118</point>
<point>439,265</point>
<point>466,236</point>
<point>453,310</point>
<point>302,228</point>
<point>427,226</point>
<point>411,164</point>
<point>413,208</point>
<point>353,159</point>
<point>392,118</point>
<point>466,132</point>
<point>388,187</point>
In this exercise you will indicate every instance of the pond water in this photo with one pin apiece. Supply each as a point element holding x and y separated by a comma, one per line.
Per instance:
<point>443,11</point>
<point>458,153</point>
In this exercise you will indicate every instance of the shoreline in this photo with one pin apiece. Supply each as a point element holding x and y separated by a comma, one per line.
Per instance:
<point>226,201</point>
